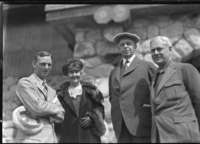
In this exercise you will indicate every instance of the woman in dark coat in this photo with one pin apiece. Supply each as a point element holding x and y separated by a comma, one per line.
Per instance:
<point>84,111</point>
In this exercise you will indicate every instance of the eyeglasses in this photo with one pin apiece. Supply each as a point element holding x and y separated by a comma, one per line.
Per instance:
<point>156,49</point>
<point>128,43</point>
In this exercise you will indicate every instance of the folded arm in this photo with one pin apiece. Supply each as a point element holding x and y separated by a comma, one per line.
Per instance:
<point>57,118</point>
<point>37,106</point>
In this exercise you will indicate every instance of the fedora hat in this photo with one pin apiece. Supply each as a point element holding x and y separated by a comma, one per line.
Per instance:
<point>25,123</point>
<point>134,37</point>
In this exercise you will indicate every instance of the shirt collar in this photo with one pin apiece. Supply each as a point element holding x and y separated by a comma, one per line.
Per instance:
<point>75,91</point>
<point>130,59</point>
<point>39,80</point>
<point>164,68</point>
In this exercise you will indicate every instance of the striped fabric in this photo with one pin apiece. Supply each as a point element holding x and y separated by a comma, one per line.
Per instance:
<point>126,65</point>
<point>45,90</point>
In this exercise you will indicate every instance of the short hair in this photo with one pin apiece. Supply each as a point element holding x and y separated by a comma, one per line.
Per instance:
<point>162,38</point>
<point>41,54</point>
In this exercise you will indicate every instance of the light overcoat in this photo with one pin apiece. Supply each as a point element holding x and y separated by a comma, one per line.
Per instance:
<point>176,105</point>
<point>31,94</point>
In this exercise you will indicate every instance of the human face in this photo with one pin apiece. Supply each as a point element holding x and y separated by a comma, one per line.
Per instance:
<point>42,66</point>
<point>74,76</point>
<point>160,52</point>
<point>127,47</point>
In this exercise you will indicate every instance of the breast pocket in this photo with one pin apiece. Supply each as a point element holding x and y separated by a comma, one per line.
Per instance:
<point>174,90</point>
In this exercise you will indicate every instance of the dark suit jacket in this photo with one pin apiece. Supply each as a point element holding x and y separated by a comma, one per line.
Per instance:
<point>70,130</point>
<point>128,95</point>
<point>176,105</point>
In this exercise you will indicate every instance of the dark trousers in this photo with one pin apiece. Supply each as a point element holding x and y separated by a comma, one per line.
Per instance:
<point>127,137</point>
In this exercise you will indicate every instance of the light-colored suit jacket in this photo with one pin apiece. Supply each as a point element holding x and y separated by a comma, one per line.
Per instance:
<point>176,105</point>
<point>31,94</point>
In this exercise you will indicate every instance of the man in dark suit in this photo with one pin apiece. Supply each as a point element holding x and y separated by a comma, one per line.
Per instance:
<point>175,97</point>
<point>129,91</point>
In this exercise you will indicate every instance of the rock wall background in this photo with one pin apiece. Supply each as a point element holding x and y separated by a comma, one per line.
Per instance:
<point>100,55</point>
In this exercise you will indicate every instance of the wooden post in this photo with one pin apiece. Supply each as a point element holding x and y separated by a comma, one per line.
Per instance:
<point>120,13</point>
<point>103,15</point>
<point>67,34</point>
<point>1,37</point>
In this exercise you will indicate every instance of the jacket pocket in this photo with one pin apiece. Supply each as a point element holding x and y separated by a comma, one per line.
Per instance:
<point>187,128</point>
<point>184,119</point>
<point>175,82</point>
<point>174,90</point>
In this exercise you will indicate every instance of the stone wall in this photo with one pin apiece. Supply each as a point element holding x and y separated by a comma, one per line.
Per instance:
<point>9,87</point>
<point>99,54</point>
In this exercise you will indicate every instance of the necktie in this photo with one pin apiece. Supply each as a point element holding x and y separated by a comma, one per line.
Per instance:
<point>124,68</point>
<point>158,79</point>
<point>45,89</point>
<point>126,65</point>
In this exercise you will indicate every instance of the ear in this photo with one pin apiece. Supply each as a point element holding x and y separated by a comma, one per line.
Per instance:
<point>118,47</point>
<point>33,63</point>
<point>170,48</point>
<point>135,45</point>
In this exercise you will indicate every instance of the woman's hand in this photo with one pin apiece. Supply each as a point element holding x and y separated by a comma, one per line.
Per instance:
<point>85,122</point>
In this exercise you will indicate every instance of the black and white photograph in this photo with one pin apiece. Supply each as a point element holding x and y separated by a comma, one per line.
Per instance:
<point>100,73</point>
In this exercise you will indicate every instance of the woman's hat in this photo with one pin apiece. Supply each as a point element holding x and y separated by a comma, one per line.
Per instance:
<point>72,64</point>
<point>25,123</point>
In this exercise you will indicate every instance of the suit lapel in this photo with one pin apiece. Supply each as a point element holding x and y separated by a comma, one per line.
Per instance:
<point>69,102</point>
<point>134,64</point>
<point>51,93</point>
<point>117,72</point>
<point>82,101</point>
<point>152,89</point>
<point>168,74</point>
<point>38,85</point>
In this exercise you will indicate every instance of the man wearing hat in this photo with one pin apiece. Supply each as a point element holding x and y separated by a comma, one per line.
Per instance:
<point>129,92</point>
<point>39,107</point>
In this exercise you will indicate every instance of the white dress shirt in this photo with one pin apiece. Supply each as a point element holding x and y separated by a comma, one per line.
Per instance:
<point>130,60</point>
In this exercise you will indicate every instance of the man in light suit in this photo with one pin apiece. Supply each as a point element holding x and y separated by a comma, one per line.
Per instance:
<point>40,101</point>
<point>175,97</point>
<point>129,91</point>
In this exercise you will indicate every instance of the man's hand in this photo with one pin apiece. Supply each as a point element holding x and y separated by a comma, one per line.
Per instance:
<point>85,122</point>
